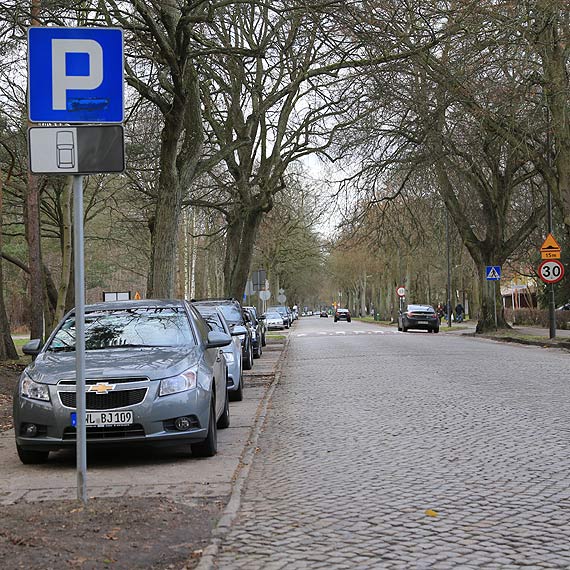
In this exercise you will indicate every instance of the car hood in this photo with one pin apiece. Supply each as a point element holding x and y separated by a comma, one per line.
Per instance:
<point>148,362</point>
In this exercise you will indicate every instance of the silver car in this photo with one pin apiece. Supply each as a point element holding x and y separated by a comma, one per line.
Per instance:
<point>274,320</point>
<point>155,374</point>
<point>232,353</point>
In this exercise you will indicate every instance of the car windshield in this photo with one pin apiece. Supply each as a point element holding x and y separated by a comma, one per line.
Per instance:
<point>272,315</point>
<point>280,310</point>
<point>140,327</point>
<point>232,314</point>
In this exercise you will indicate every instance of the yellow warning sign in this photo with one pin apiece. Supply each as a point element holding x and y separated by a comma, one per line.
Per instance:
<point>550,248</point>
<point>137,296</point>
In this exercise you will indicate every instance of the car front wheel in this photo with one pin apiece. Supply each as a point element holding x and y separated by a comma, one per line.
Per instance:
<point>237,395</point>
<point>248,361</point>
<point>208,447</point>
<point>224,421</point>
<point>31,457</point>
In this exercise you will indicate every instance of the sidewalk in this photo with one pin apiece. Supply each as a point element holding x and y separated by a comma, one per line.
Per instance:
<point>520,334</point>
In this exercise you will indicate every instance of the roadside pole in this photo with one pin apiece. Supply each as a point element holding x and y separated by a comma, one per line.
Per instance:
<point>88,139</point>
<point>495,303</point>
<point>80,338</point>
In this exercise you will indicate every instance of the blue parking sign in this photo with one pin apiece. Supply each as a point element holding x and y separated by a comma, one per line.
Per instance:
<point>75,75</point>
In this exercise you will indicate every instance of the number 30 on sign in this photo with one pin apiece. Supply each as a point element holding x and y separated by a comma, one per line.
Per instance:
<point>551,271</point>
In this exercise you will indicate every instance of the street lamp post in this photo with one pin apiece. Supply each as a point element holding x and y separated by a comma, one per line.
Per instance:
<point>448,308</point>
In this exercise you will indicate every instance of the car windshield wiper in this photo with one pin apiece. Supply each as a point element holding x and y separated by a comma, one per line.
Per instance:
<point>61,349</point>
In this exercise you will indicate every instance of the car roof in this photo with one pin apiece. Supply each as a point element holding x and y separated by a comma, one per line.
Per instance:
<point>139,304</point>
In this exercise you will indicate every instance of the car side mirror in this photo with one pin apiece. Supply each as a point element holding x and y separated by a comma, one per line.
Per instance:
<point>218,339</point>
<point>32,347</point>
<point>238,329</point>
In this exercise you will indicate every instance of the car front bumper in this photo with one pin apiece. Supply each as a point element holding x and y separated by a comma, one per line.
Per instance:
<point>153,421</point>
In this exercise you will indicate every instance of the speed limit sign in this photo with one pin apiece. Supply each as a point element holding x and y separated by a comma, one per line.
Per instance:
<point>401,291</point>
<point>551,271</point>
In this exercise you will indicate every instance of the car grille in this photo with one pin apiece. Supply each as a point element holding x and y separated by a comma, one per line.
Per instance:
<point>107,432</point>
<point>110,401</point>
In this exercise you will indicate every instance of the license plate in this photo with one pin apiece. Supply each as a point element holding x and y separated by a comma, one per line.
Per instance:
<point>423,323</point>
<point>105,419</point>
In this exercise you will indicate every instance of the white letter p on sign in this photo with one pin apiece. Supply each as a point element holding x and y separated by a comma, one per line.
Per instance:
<point>61,82</point>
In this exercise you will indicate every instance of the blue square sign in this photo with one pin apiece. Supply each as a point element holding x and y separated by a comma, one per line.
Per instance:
<point>75,75</point>
<point>493,272</point>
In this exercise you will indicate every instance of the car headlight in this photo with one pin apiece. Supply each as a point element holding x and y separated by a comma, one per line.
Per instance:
<point>229,356</point>
<point>180,383</point>
<point>33,390</point>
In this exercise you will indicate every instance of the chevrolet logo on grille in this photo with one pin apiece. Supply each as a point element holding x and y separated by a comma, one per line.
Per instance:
<point>101,388</point>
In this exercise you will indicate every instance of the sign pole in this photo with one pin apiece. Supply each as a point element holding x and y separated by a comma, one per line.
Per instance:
<point>80,339</point>
<point>495,302</point>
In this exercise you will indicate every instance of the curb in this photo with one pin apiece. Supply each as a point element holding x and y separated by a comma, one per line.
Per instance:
<point>232,508</point>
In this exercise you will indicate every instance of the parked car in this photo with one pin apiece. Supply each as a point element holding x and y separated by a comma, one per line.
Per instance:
<point>324,314</point>
<point>154,374</point>
<point>342,315</point>
<point>422,317</point>
<point>236,317</point>
<point>284,312</point>
<point>261,323</point>
<point>273,320</point>
<point>256,328</point>
<point>232,353</point>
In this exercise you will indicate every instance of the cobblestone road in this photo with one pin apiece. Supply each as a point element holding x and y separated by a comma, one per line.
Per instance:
<point>369,435</point>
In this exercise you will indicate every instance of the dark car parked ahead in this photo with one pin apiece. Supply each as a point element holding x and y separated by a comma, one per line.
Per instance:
<point>257,331</point>
<point>342,315</point>
<point>422,317</point>
<point>235,316</point>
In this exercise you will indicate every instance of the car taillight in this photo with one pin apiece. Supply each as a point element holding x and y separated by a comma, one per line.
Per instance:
<point>410,314</point>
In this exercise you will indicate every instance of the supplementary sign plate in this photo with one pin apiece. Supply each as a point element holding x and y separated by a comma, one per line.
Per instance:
<point>76,150</point>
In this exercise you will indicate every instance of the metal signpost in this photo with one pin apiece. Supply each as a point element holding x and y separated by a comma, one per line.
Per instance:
<point>401,292</point>
<point>550,250</point>
<point>75,75</point>
<point>493,273</point>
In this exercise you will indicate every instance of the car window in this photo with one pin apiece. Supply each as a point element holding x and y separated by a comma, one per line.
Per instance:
<point>214,322</point>
<point>422,308</point>
<point>156,326</point>
<point>272,315</point>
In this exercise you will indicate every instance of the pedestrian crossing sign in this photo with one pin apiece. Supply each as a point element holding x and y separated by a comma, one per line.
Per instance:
<point>493,272</point>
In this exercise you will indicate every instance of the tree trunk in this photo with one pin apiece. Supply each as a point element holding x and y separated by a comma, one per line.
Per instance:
<point>32,220</point>
<point>32,223</point>
<point>490,297</point>
<point>7,348</point>
<point>66,253</point>
<point>164,227</point>
<point>241,234</point>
